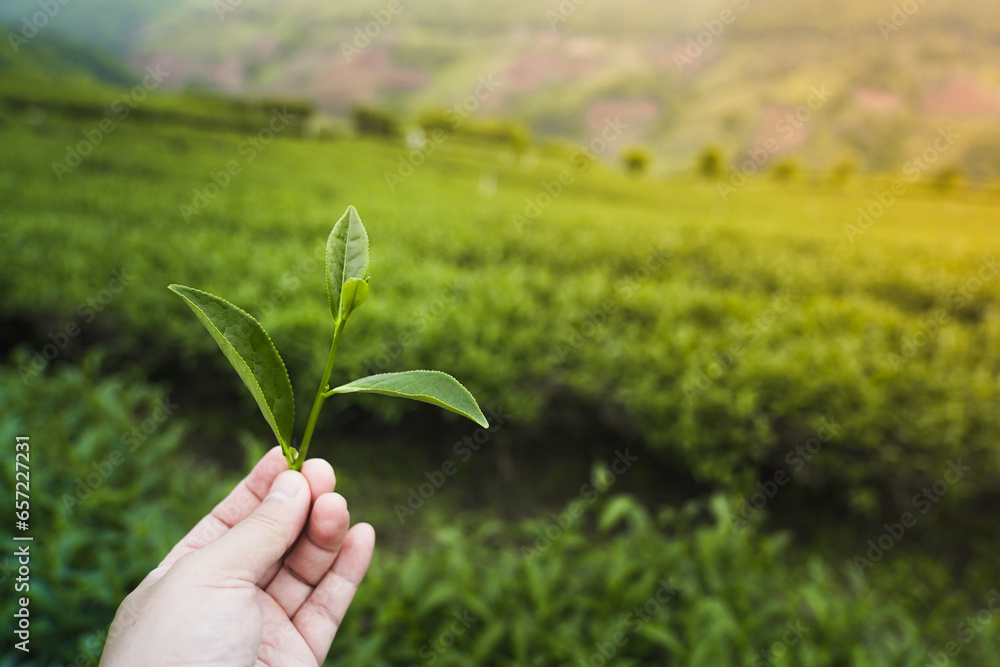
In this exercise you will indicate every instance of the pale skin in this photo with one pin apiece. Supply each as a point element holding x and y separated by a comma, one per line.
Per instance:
<point>264,579</point>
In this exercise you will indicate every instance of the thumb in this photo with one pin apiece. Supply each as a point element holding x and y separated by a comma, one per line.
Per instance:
<point>253,545</point>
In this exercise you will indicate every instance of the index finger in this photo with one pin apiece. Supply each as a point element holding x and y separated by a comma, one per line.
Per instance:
<point>238,505</point>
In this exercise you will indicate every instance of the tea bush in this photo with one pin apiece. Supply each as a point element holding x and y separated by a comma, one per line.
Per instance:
<point>848,346</point>
<point>635,591</point>
<point>580,587</point>
<point>111,492</point>
<point>724,334</point>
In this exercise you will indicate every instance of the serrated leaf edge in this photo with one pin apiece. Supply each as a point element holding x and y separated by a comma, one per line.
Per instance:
<point>329,287</point>
<point>484,423</point>
<point>272,421</point>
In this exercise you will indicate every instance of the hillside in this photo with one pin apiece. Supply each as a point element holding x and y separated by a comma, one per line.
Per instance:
<point>55,58</point>
<point>735,75</point>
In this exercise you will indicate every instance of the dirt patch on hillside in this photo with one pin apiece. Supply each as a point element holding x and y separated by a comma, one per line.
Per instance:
<point>336,84</point>
<point>229,75</point>
<point>781,129</point>
<point>882,101</point>
<point>962,97</point>
<point>540,67</point>
<point>683,58</point>
<point>630,112</point>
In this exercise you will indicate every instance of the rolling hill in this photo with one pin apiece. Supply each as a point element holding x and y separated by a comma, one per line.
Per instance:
<point>864,88</point>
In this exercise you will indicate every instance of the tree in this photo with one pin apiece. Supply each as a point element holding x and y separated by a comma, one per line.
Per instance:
<point>374,122</point>
<point>709,164</point>
<point>636,159</point>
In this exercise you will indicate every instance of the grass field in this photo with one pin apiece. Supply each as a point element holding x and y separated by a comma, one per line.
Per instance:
<point>730,342</point>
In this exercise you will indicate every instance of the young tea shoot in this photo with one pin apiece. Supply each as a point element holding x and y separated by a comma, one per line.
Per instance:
<point>250,350</point>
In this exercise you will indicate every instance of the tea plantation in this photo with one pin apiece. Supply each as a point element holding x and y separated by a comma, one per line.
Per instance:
<point>807,375</point>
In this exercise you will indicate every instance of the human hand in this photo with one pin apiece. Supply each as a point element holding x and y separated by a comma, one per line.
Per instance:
<point>254,582</point>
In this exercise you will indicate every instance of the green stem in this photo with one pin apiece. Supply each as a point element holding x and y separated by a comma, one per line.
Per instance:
<point>289,453</point>
<point>324,386</point>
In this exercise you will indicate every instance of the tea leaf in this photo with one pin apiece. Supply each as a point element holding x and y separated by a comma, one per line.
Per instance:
<point>353,295</point>
<point>250,350</point>
<point>346,258</point>
<point>432,387</point>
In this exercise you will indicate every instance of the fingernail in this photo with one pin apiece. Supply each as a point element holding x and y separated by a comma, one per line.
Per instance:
<point>286,485</point>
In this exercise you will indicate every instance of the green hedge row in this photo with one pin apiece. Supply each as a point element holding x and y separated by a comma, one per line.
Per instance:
<point>602,581</point>
<point>723,349</point>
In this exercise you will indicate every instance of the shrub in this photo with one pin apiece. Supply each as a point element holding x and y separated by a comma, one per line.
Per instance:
<point>110,494</point>
<point>842,172</point>
<point>618,586</point>
<point>604,578</point>
<point>373,122</point>
<point>636,160</point>
<point>499,131</point>
<point>785,171</point>
<point>946,180</point>
<point>709,163</point>
<point>437,119</point>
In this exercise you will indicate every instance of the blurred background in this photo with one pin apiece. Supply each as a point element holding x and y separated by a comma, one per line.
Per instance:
<point>723,276</point>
